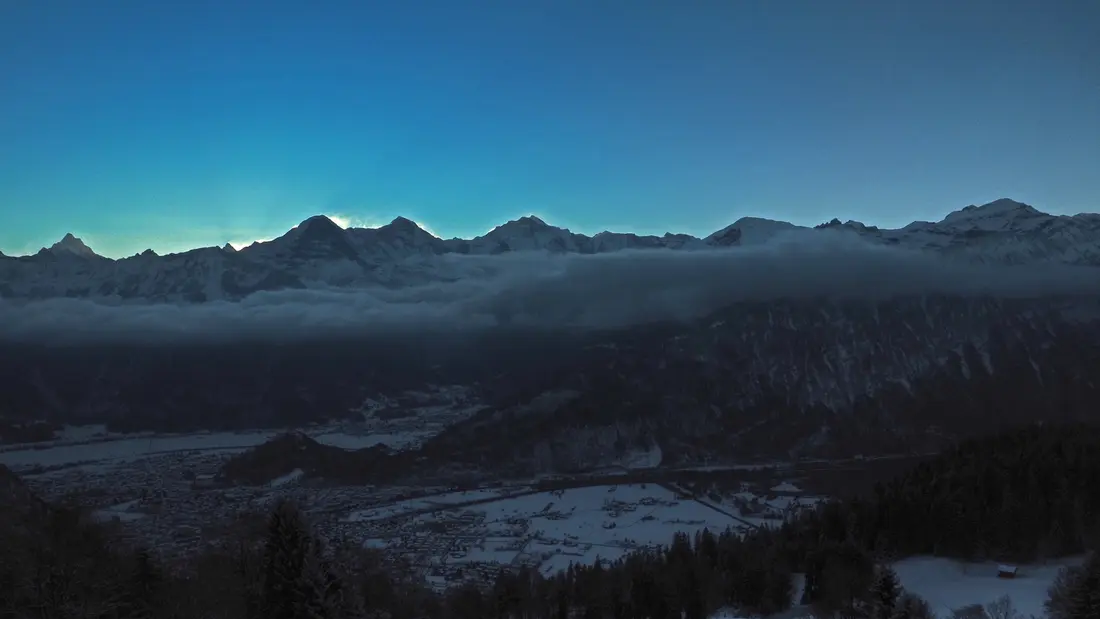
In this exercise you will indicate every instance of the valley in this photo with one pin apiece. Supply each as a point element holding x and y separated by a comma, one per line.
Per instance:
<point>169,493</point>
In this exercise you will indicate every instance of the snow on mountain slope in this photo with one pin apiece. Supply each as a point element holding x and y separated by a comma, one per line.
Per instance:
<point>195,276</point>
<point>319,254</point>
<point>524,234</point>
<point>396,240</point>
<point>1003,231</point>
<point>749,231</point>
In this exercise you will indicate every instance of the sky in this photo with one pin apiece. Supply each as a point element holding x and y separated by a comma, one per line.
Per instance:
<point>173,125</point>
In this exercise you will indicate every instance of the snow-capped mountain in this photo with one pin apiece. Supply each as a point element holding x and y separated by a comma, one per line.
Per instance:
<point>318,253</point>
<point>1003,231</point>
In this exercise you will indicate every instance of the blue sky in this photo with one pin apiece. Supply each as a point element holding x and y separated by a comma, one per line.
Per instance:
<point>172,125</point>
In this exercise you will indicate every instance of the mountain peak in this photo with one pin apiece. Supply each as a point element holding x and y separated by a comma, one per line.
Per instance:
<point>527,223</point>
<point>321,221</point>
<point>1003,205</point>
<point>316,238</point>
<point>405,230</point>
<point>228,248</point>
<point>404,224</point>
<point>748,231</point>
<point>997,213</point>
<point>1000,206</point>
<point>73,245</point>
<point>318,228</point>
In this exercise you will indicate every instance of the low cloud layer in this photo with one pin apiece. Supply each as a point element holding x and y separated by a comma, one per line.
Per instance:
<point>548,291</point>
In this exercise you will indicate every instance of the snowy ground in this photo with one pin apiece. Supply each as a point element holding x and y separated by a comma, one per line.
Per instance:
<point>948,585</point>
<point>122,512</point>
<point>427,414</point>
<point>584,524</point>
<point>98,447</point>
<point>120,449</point>
<point>549,530</point>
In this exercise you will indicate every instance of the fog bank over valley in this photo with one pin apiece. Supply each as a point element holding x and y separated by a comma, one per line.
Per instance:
<point>550,291</point>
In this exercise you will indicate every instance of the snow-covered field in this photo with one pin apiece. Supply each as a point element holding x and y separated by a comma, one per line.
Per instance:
<point>949,585</point>
<point>584,524</point>
<point>546,529</point>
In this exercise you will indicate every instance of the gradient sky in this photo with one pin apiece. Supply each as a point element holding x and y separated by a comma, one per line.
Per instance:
<point>177,124</point>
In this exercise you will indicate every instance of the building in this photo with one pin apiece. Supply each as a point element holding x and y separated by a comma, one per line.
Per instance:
<point>204,481</point>
<point>1006,571</point>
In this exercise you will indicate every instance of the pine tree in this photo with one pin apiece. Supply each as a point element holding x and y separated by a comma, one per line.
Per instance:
<point>884,593</point>
<point>561,602</point>
<point>248,567</point>
<point>910,606</point>
<point>324,593</point>
<point>298,583</point>
<point>693,602</point>
<point>1084,597</point>
<point>1058,604</point>
<point>136,596</point>
<point>145,585</point>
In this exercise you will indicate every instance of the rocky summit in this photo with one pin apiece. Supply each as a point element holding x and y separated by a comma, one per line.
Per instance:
<point>903,371</point>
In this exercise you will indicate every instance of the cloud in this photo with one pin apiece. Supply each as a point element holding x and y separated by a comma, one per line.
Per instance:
<point>552,291</point>
<point>350,221</point>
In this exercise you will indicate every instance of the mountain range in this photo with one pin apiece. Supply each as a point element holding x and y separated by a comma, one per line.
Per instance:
<point>319,254</point>
<point>804,375</point>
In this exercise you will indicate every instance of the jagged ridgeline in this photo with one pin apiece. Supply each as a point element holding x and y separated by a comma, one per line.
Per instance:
<point>318,252</point>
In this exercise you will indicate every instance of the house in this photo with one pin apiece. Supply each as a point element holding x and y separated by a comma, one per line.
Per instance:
<point>1006,571</point>
<point>204,481</point>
